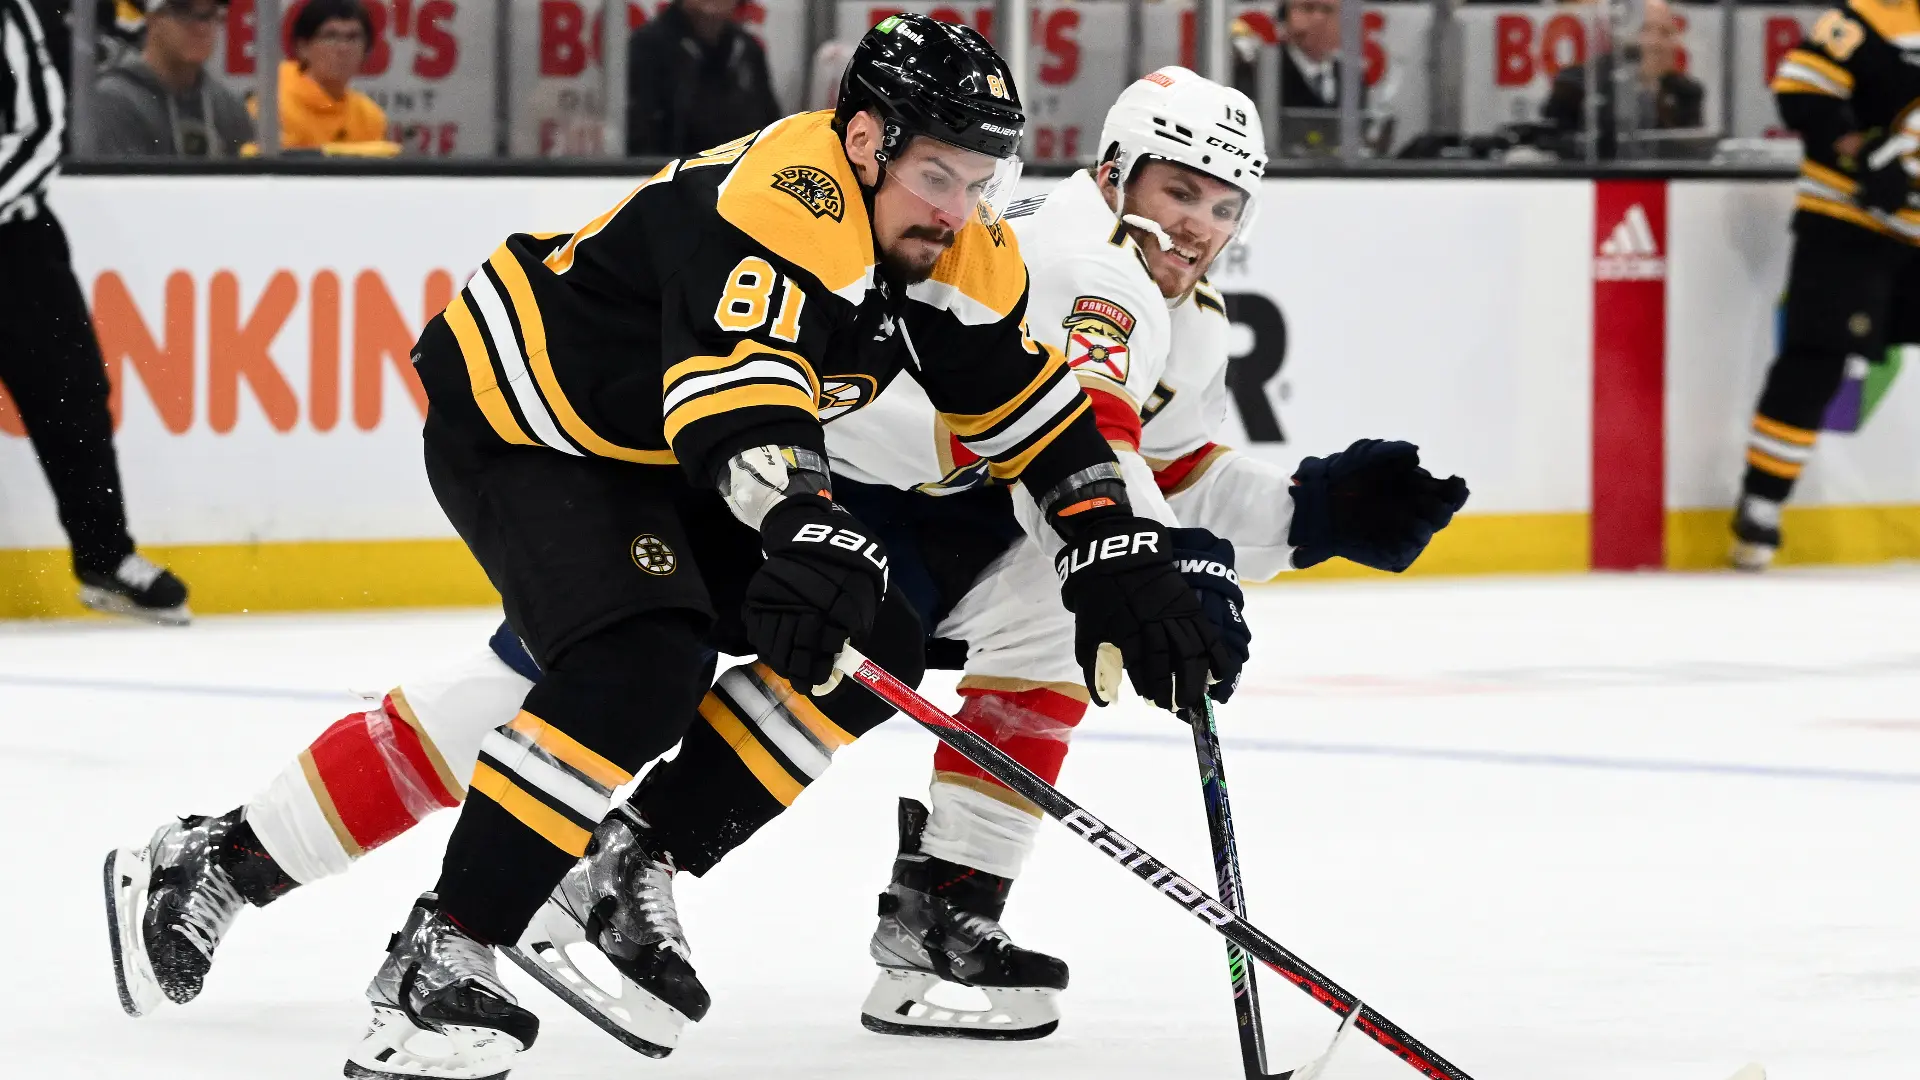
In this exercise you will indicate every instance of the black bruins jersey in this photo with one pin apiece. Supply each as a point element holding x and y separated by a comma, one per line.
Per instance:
<point>1858,70</point>
<point>733,300</point>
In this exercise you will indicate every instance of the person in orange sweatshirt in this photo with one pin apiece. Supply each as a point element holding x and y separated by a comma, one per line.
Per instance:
<point>317,108</point>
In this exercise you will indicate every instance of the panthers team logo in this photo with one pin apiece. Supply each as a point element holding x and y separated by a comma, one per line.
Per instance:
<point>650,553</point>
<point>815,188</point>
<point>1097,332</point>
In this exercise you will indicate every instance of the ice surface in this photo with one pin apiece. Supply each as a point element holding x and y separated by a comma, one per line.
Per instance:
<point>1610,826</point>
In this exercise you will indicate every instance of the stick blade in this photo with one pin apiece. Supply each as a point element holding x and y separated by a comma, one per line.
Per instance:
<point>1314,1068</point>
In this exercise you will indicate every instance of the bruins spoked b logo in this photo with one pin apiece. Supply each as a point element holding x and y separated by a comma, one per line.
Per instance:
<point>650,553</point>
<point>816,189</point>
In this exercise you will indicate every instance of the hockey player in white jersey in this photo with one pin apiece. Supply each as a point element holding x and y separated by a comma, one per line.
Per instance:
<point>1147,336</point>
<point>1118,256</point>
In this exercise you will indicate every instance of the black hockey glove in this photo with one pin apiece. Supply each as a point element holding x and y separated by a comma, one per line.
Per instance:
<point>1885,183</point>
<point>1117,576</point>
<point>821,584</point>
<point>1372,504</point>
<point>1206,561</point>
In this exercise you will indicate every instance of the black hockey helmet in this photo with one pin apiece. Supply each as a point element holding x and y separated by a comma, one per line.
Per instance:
<point>925,77</point>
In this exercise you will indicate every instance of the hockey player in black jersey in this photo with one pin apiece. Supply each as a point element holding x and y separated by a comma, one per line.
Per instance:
<point>1852,92</point>
<point>625,430</point>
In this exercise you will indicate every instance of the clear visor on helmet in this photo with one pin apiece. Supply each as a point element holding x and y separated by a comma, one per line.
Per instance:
<point>958,183</point>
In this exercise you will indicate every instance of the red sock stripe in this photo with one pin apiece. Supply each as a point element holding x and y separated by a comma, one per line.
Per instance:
<point>360,783</point>
<point>1030,726</point>
<point>1176,471</point>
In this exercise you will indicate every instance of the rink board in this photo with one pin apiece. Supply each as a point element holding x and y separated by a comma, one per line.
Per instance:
<point>1585,354</point>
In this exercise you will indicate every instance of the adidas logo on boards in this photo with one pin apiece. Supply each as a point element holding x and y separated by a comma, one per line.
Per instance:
<point>1630,252</point>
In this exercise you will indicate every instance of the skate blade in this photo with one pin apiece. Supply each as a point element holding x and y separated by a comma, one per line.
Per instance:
<point>108,602</point>
<point>1752,558</point>
<point>125,878</point>
<point>641,1021</point>
<point>394,1048</point>
<point>898,1005</point>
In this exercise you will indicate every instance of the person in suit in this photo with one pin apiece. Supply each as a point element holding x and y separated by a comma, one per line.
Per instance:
<point>1309,56</point>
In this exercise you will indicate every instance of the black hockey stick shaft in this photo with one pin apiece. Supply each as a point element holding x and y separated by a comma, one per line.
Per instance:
<point>1226,868</point>
<point>1190,897</point>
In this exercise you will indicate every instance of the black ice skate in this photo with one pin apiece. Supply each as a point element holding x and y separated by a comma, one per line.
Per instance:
<point>619,899</point>
<point>939,921</point>
<point>1756,533</point>
<point>171,902</point>
<point>439,1009</point>
<point>136,588</point>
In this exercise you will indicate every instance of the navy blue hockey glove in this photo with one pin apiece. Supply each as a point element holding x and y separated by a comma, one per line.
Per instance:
<point>822,583</point>
<point>1132,609</point>
<point>1371,504</point>
<point>1206,561</point>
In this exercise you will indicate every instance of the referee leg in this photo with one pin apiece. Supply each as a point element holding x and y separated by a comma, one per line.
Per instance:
<point>50,364</point>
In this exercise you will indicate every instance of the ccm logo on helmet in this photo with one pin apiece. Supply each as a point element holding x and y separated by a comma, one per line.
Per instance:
<point>1217,141</point>
<point>1112,547</point>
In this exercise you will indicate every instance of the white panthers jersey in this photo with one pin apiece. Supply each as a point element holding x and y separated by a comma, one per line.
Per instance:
<point>1156,375</point>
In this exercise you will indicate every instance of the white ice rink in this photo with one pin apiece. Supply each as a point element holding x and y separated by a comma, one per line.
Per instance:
<point>1646,827</point>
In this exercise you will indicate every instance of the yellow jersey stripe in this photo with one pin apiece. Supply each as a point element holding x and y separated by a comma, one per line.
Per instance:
<point>783,787</point>
<point>1820,64</point>
<point>1846,212</point>
<point>552,826</point>
<point>1767,463</point>
<point>802,708</point>
<point>565,748</point>
<point>480,375</point>
<point>700,365</point>
<point>533,331</point>
<point>1786,433</point>
<point>738,397</point>
<point>1831,177</point>
<point>1783,84</point>
<point>969,426</point>
<point>1008,468</point>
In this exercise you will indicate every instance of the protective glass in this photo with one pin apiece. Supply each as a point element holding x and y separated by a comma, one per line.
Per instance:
<point>957,182</point>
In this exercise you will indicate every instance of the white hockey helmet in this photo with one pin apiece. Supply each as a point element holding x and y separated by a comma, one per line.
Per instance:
<point>1177,115</point>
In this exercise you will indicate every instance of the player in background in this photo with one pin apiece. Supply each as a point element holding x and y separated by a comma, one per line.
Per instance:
<point>375,773</point>
<point>625,418</point>
<point>1117,256</point>
<point>1852,92</point>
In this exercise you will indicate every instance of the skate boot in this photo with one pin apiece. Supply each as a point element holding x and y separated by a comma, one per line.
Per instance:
<point>439,1009</point>
<point>940,921</point>
<point>137,588</point>
<point>171,902</point>
<point>619,900</point>
<point>1756,533</point>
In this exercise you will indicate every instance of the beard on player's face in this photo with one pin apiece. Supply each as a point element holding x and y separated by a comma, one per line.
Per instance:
<point>912,255</point>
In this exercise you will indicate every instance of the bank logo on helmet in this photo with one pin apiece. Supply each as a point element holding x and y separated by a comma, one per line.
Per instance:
<point>814,188</point>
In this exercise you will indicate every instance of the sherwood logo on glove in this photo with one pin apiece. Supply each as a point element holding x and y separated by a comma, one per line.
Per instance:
<point>1208,567</point>
<point>1113,547</point>
<point>817,533</point>
<point>1151,870</point>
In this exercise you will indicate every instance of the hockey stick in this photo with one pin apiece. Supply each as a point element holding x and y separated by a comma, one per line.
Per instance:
<point>1143,865</point>
<point>1226,864</point>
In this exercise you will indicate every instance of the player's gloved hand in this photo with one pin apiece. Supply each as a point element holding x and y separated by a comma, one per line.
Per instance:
<point>1206,561</point>
<point>1372,504</point>
<point>1132,608</point>
<point>1885,183</point>
<point>822,583</point>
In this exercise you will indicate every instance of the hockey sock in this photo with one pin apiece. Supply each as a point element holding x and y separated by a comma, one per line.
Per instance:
<point>375,774</point>
<point>1776,454</point>
<point>975,820</point>
<point>258,875</point>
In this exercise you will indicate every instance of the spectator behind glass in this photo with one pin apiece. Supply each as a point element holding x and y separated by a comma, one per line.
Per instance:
<point>1309,56</point>
<point>695,79</point>
<point>1663,95</point>
<point>317,108</point>
<point>161,101</point>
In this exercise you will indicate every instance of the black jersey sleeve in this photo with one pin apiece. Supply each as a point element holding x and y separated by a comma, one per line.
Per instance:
<point>1813,86</point>
<point>1009,398</point>
<point>742,333</point>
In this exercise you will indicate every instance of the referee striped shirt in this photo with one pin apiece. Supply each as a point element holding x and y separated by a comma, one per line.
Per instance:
<point>33,112</point>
